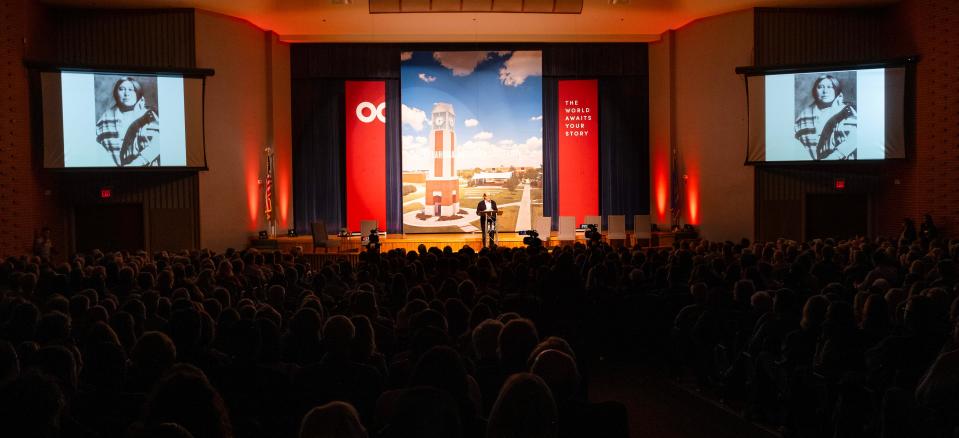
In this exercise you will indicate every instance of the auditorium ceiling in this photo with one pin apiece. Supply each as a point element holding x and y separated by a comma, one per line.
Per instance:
<point>334,21</point>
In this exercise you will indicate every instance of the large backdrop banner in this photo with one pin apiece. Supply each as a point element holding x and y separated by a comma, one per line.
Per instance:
<point>578,149</point>
<point>365,159</point>
<point>472,124</point>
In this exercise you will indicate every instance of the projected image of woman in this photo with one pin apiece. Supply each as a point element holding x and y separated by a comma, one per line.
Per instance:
<point>130,129</point>
<point>827,127</point>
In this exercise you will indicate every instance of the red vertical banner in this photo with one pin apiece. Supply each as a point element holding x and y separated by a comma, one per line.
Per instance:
<point>578,149</point>
<point>365,153</point>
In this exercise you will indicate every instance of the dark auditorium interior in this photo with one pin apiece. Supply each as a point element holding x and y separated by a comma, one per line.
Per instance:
<point>693,218</point>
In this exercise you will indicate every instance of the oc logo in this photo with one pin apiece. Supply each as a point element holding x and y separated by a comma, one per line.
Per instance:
<point>366,112</point>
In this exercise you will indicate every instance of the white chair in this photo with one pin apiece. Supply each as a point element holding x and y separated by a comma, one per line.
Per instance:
<point>543,226</point>
<point>365,227</point>
<point>598,220</point>
<point>617,227</point>
<point>567,229</point>
<point>641,229</point>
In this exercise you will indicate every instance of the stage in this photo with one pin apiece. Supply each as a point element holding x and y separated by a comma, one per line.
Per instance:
<point>349,248</point>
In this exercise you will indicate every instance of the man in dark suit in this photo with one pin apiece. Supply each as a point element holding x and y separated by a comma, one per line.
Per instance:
<point>485,205</point>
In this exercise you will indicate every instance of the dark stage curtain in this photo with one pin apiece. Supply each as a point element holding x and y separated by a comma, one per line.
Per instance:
<point>624,146</point>
<point>550,149</point>
<point>318,124</point>
<point>394,158</point>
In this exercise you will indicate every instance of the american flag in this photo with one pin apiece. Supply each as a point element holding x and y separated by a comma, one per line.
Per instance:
<point>676,198</point>
<point>268,192</point>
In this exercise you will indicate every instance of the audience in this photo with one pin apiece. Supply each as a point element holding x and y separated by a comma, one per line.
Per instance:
<point>829,337</point>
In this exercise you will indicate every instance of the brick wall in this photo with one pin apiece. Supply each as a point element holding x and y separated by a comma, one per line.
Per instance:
<point>24,205</point>
<point>929,180</point>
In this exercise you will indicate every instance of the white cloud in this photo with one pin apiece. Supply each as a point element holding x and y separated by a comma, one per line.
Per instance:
<point>416,153</point>
<point>483,135</point>
<point>521,66</point>
<point>483,154</point>
<point>406,56</point>
<point>461,63</point>
<point>469,123</point>
<point>535,118</point>
<point>414,117</point>
<point>426,78</point>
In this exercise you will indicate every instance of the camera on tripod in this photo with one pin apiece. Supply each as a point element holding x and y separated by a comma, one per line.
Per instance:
<point>592,233</point>
<point>531,238</point>
<point>373,241</point>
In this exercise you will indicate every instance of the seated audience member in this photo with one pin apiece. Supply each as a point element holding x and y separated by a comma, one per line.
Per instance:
<point>167,430</point>
<point>524,408</point>
<point>336,376</point>
<point>577,417</point>
<point>487,370</point>
<point>332,420</point>
<point>516,340</point>
<point>153,354</point>
<point>204,415</point>
<point>424,412</point>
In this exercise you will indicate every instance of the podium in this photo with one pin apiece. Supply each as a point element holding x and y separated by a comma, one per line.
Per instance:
<point>489,216</point>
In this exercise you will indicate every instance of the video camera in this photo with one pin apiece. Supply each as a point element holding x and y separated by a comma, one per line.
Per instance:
<point>373,241</point>
<point>531,237</point>
<point>592,233</point>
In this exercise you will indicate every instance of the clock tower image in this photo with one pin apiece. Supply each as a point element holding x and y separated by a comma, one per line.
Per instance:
<point>442,184</point>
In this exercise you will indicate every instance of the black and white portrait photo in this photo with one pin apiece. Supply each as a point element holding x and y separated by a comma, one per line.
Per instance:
<point>128,123</point>
<point>826,118</point>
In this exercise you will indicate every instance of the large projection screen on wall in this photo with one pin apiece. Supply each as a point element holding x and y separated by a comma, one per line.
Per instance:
<point>472,124</point>
<point>827,114</point>
<point>121,120</point>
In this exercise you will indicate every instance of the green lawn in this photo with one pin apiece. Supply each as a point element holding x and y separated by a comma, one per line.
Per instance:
<point>502,196</point>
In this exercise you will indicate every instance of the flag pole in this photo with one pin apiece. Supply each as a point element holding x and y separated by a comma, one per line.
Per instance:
<point>268,193</point>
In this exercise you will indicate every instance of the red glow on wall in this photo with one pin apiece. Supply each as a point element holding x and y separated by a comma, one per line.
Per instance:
<point>661,185</point>
<point>252,178</point>
<point>692,198</point>
<point>283,192</point>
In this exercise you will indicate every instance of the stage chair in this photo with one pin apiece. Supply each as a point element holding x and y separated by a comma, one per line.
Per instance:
<point>567,229</point>
<point>598,220</point>
<point>617,228</point>
<point>641,229</point>
<point>365,227</point>
<point>321,238</point>
<point>543,226</point>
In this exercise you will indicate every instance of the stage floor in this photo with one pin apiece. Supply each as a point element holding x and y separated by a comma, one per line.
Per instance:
<point>408,242</point>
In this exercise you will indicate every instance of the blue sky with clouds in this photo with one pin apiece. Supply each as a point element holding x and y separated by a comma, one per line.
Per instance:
<point>497,97</point>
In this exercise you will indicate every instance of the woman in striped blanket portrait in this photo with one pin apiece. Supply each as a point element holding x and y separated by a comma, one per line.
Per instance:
<point>130,129</point>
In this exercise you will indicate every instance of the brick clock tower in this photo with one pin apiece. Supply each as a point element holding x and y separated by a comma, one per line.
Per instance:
<point>442,184</point>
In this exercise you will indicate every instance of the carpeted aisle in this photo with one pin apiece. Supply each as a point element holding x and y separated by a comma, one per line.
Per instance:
<point>659,408</point>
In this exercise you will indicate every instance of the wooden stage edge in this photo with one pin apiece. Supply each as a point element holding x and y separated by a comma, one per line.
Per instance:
<point>408,242</point>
